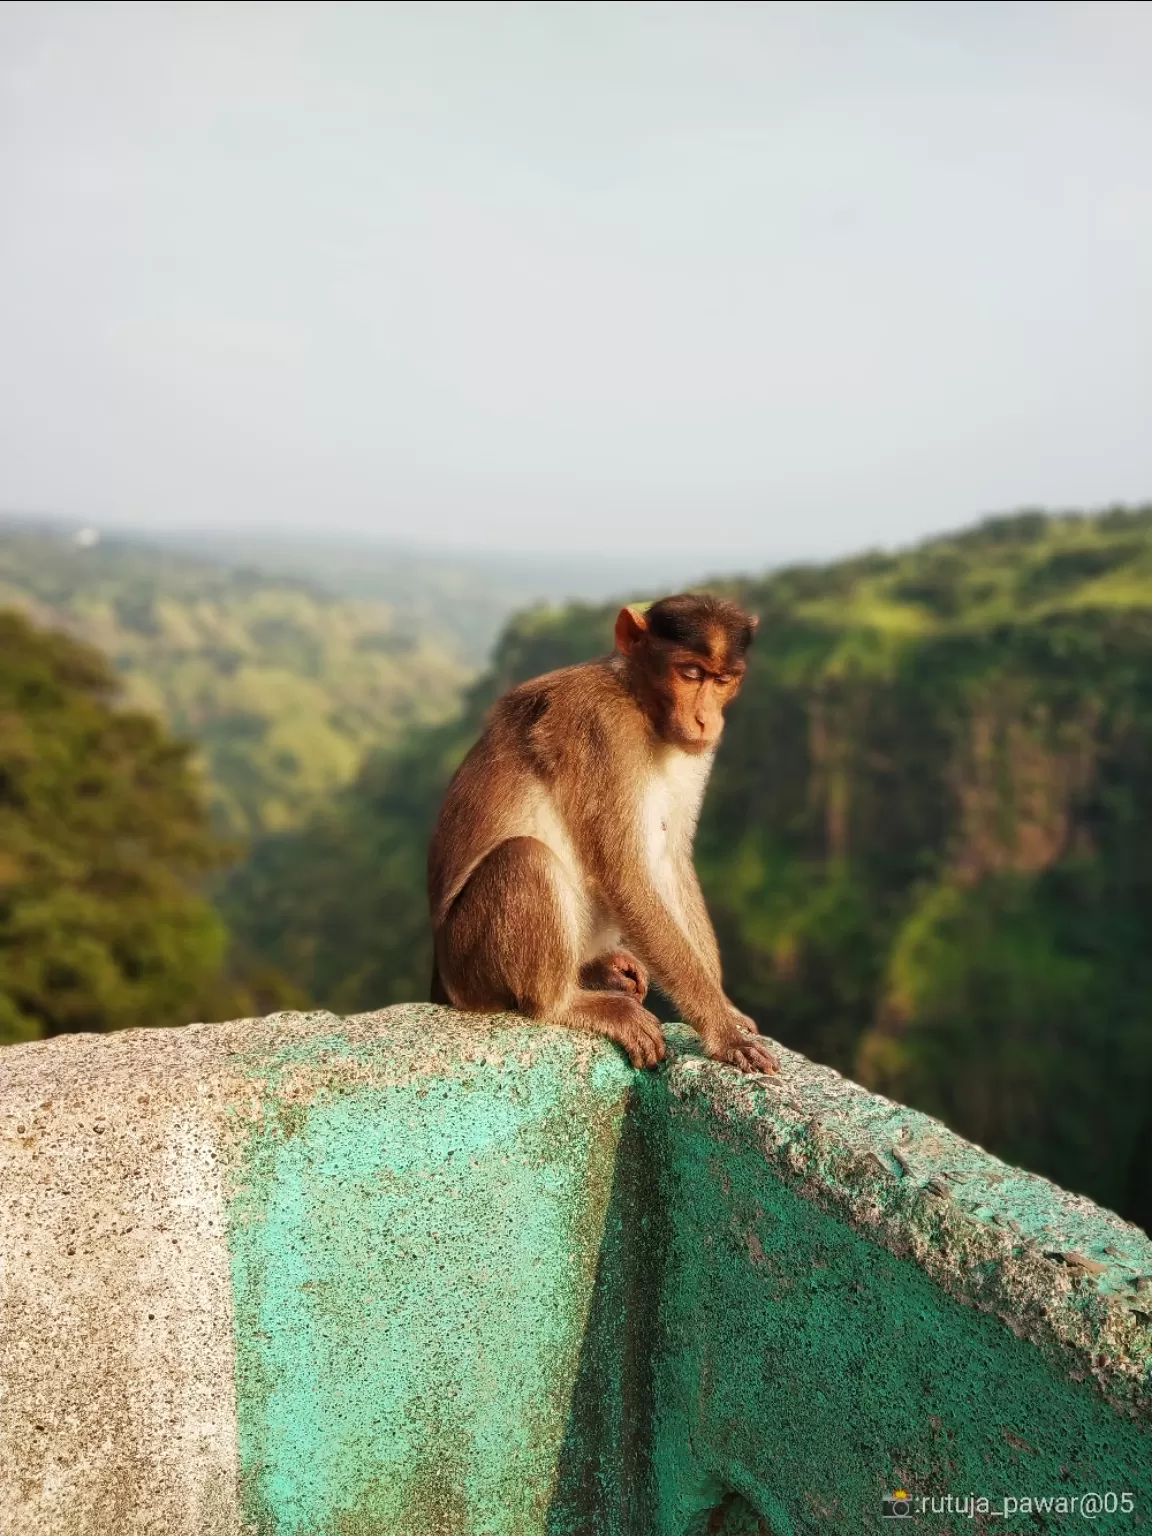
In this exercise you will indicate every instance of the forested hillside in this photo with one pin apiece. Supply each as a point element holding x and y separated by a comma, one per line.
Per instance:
<point>104,843</point>
<point>926,843</point>
<point>282,686</point>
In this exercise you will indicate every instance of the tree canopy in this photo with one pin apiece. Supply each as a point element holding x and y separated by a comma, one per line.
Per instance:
<point>104,843</point>
<point>281,685</point>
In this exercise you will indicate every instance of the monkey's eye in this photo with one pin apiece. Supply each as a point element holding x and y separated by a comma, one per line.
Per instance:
<point>726,679</point>
<point>692,674</point>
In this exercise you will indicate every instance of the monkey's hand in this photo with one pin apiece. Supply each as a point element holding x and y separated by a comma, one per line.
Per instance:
<point>742,1021</point>
<point>742,1046</point>
<point>617,971</point>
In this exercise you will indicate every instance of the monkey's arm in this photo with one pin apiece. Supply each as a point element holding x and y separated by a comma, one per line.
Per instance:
<point>697,921</point>
<point>690,978</point>
<point>702,935</point>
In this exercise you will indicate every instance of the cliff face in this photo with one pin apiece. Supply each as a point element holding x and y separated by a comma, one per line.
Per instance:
<point>932,875</point>
<point>924,844</point>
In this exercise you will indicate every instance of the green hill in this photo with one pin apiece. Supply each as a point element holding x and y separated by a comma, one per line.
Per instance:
<point>104,844</point>
<point>925,842</point>
<point>281,685</point>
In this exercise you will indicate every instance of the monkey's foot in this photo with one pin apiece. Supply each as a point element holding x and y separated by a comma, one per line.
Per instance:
<point>622,1019</point>
<point>642,1038</point>
<point>746,1052</point>
<point>617,971</point>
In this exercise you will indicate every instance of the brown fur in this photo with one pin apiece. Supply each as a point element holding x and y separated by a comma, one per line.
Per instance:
<point>560,871</point>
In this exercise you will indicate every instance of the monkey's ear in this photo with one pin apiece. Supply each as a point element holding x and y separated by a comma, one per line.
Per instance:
<point>753,622</point>
<point>631,627</point>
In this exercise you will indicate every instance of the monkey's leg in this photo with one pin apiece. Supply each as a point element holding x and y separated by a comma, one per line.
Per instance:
<point>512,940</point>
<point>617,971</point>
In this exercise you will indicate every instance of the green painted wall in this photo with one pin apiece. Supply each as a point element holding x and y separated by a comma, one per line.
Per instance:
<point>813,1371</point>
<point>490,1282</point>
<point>413,1264</point>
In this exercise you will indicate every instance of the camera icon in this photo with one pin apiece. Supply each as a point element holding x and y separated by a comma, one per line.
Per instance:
<point>897,1506</point>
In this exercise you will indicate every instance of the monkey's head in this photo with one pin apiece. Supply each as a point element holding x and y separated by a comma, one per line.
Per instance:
<point>686,662</point>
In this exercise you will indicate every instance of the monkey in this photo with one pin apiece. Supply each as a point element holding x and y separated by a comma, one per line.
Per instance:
<point>560,873</point>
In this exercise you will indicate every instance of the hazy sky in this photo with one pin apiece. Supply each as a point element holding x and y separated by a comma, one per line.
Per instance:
<point>751,281</point>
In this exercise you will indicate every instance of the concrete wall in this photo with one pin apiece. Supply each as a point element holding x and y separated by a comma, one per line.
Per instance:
<point>410,1273</point>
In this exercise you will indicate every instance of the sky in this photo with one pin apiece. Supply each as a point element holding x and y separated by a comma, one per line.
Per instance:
<point>746,283</point>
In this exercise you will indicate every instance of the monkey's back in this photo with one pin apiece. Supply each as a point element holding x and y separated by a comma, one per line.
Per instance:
<point>542,738</point>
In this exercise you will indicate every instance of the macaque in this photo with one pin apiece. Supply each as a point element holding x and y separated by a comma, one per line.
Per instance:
<point>560,874</point>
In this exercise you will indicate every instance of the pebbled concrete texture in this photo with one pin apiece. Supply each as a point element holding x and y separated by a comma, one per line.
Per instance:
<point>854,1300</point>
<point>415,1233</point>
<point>118,1409</point>
<point>301,1274</point>
<point>412,1272</point>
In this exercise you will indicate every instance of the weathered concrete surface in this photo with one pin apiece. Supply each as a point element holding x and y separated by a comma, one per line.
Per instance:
<point>415,1235</point>
<point>118,1410</point>
<point>299,1275</point>
<point>410,1273</point>
<point>853,1299</point>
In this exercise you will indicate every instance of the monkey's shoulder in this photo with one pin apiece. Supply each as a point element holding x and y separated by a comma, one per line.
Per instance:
<point>574,711</point>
